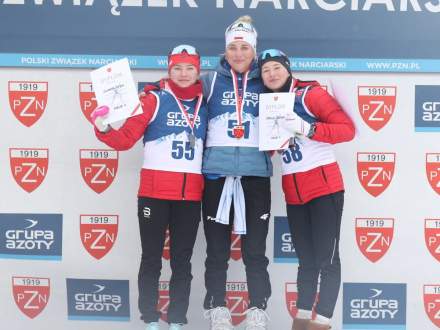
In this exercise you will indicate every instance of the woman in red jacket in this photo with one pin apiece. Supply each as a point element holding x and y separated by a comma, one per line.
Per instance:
<point>173,128</point>
<point>313,187</point>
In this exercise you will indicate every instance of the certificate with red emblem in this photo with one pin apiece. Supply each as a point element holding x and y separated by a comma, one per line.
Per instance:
<point>114,87</point>
<point>276,111</point>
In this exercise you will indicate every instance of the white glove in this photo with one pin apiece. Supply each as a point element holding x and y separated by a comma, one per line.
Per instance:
<point>98,115</point>
<point>296,125</point>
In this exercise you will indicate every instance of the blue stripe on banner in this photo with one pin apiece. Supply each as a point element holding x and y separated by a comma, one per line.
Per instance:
<point>160,62</point>
<point>28,257</point>
<point>90,61</point>
<point>373,327</point>
<point>427,129</point>
<point>285,260</point>
<point>364,65</point>
<point>99,318</point>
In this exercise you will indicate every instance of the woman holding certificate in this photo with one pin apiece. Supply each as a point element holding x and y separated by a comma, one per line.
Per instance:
<point>236,172</point>
<point>313,187</point>
<point>173,129</point>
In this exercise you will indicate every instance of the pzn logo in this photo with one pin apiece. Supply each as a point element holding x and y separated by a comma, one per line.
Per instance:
<point>87,99</point>
<point>166,245</point>
<point>375,171</point>
<point>29,166</point>
<point>374,236</point>
<point>98,168</point>
<point>237,300</point>
<point>28,100</point>
<point>433,171</point>
<point>431,299</point>
<point>98,233</point>
<point>291,294</point>
<point>235,246</point>
<point>376,105</point>
<point>164,299</point>
<point>432,237</point>
<point>31,294</point>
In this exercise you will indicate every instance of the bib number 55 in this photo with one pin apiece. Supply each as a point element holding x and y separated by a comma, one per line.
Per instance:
<point>182,149</point>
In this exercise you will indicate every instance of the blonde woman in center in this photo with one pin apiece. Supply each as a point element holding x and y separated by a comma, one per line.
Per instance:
<point>237,179</point>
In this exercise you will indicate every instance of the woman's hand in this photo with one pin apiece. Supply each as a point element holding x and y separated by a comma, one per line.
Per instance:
<point>296,125</point>
<point>98,115</point>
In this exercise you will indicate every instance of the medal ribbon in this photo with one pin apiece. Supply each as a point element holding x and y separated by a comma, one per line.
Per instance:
<point>190,122</point>
<point>239,104</point>
<point>292,86</point>
<point>293,89</point>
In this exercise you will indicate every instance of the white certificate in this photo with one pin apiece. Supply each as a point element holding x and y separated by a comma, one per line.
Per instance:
<point>276,110</point>
<point>114,87</point>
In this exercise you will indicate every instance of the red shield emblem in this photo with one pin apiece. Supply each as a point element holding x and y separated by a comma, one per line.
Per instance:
<point>433,171</point>
<point>166,247</point>
<point>31,294</point>
<point>432,237</point>
<point>87,99</point>
<point>98,233</point>
<point>431,299</point>
<point>291,294</point>
<point>375,171</point>
<point>98,167</point>
<point>29,166</point>
<point>237,300</point>
<point>164,299</point>
<point>374,236</point>
<point>376,105</point>
<point>27,100</point>
<point>235,247</point>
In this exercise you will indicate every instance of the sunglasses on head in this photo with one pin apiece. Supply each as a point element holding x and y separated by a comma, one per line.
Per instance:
<point>190,50</point>
<point>269,53</point>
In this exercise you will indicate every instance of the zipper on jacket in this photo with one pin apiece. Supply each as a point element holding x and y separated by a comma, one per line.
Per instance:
<point>236,158</point>
<point>183,186</point>
<point>296,187</point>
<point>323,174</point>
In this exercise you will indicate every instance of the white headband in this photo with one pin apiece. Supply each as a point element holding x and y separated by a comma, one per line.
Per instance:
<point>241,31</point>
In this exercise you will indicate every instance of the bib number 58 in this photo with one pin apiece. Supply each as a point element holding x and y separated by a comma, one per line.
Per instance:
<point>292,154</point>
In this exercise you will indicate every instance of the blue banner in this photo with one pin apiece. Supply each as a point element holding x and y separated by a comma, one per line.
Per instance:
<point>374,306</point>
<point>31,236</point>
<point>322,35</point>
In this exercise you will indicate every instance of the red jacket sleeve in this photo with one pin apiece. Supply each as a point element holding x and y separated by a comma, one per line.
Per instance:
<point>133,129</point>
<point>333,124</point>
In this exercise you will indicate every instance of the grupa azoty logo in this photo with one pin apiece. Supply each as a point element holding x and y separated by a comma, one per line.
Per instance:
<point>30,236</point>
<point>374,305</point>
<point>90,299</point>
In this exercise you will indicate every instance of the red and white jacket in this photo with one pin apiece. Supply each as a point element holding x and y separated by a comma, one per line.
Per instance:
<point>154,182</point>
<point>309,168</point>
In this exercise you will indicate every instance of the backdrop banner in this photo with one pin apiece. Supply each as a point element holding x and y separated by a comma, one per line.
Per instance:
<point>319,35</point>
